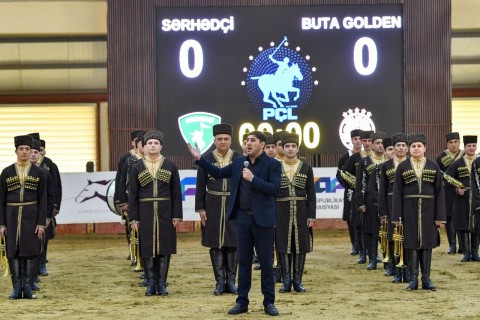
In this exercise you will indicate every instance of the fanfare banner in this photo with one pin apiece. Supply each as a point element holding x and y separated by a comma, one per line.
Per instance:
<point>87,197</point>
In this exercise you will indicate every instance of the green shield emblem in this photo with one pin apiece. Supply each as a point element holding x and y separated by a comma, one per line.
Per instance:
<point>196,128</point>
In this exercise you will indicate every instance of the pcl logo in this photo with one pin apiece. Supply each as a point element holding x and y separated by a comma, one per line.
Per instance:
<point>279,81</point>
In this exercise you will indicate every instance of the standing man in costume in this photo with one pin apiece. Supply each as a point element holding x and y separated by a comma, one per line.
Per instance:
<point>296,213</point>
<point>270,147</point>
<point>351,169</point>
<point>47,163</point>
<point>462,215</point>
<point>419,203</point>
<point>254,186</point>
<point>23,216</point>
<point>116,197</point>
<point>155,209</point>
<point>475,195</point>
<point>277,139</point>
<point>444,160</point>
<point>385,194</point>
<point>366,208</point>
<point>348,193</point>
<point>35,154</point>
<point>211,202</point>
<point>374,192</point>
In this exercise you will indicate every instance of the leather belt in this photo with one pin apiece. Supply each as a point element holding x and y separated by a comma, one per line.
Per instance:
<point>218,193</point>
<point>154,199</point>
<point>418,196</point>
<point>18,204</point>
<point>291,199</point>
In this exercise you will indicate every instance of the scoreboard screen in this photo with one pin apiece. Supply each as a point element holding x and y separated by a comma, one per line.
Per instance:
<point>320,71</point>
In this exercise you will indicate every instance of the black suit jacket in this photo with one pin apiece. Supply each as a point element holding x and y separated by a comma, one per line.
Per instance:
<point>265,186</point>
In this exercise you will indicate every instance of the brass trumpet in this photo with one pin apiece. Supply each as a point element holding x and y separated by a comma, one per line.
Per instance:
<point>398,243</point>
<point>383,233</point>
<point>135,251</point>
<point>3,257</point>
<point>348,177</point>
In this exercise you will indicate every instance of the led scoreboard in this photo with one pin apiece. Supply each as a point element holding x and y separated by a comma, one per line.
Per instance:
<point>319,71</point>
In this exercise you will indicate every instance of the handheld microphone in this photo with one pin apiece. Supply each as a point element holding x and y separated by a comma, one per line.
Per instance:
<point>245,164</point>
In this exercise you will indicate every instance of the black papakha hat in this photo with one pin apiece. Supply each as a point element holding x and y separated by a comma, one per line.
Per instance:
<point>222,128</point>
<point>153,134</point>
<point>25,140</point>
<point>42,143</point>
<point>378,135</point>
<point>452,136</point>
<point>36,144</point>
<point>258,134</point>
<point>133,134</point>
<point>140,136</point>
<point>245,135</point>
<point>469,139</point>
<point>365,134</point>
<point>399,137</point>
<point>387,142</point>
<point>269,138</point>
<point>290,138</point>
<point>277,136</point>
<point>355,133</point>
<point>35,136</point>
<point>417,137</point>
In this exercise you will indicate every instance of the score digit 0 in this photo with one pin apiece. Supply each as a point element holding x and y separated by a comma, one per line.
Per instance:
<point>310,134</point>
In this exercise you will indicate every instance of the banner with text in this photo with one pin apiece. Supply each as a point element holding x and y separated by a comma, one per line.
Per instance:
<point>88,197</point>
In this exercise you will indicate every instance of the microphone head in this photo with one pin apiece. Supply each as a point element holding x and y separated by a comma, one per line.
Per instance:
<point>245,164</point>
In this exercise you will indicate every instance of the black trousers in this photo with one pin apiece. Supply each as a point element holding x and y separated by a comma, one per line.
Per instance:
<point>250,235</point>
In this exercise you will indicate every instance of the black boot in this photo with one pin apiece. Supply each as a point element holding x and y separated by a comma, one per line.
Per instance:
<point>216,256</point>
<point>406,274</point>
<point>353,240</point>
<point>426,263</point>
<point>36,272</point>
<point>397,278</point>
<point>466,246</point>
<point>452,243</point>
<point>413,265</point>
<point>474,248</point>
<point>284,260</point>
<point>149,269</point>
<point>460,242</point>
<point>298,267</point>
<point>28,278</point>
<point>231,265</point>
<point>14,265</point>
<point>163,265</point>
<point>362,259</point>
<point>372,253</point>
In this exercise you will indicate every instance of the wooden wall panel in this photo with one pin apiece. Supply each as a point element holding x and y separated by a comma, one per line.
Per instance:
<point>131,67</point>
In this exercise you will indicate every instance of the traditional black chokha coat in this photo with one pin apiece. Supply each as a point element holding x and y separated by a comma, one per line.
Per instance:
<point>213,197</point>
<point>385,194</point>
<point>475,192</point>
<point>351,167</point>
<point>348,192</point>
<point>295,204</point>
<point>370,222</point>
<point>461,214</point>
<point>23,207</point>
<point>444,160</point>
<point>154,201</point>
<point>125,178</point>
<point>420,202</point>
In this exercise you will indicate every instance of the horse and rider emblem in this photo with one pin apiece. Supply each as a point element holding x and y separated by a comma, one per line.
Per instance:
<point>279,78</point>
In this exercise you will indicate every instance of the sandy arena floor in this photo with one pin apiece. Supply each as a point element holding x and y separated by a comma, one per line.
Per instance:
<point>90,278</point>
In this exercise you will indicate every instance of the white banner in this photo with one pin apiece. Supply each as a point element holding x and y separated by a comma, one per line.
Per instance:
<point>86,196</point>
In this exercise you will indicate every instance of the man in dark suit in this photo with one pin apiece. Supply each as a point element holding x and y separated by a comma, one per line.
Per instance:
<point>255,181</point>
